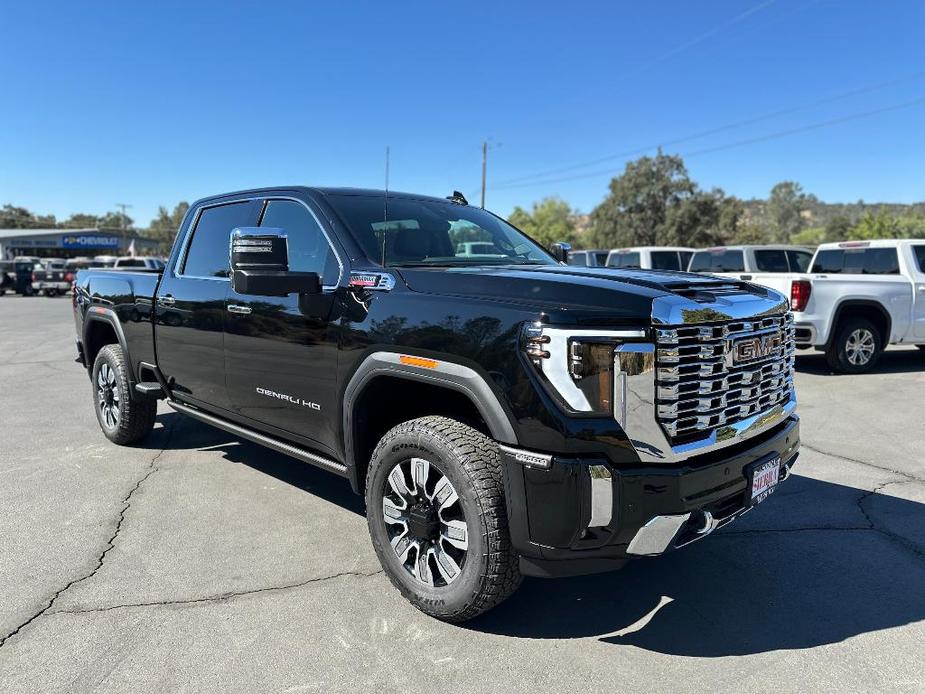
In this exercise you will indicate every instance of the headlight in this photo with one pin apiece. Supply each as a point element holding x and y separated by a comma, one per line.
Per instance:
<point>577,363</point>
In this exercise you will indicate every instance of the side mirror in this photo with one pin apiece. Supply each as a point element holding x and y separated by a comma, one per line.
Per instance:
<point>560,251</point>
<point>260,264</point>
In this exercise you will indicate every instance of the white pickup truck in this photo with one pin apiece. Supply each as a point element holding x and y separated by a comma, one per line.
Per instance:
<point>858,297</point>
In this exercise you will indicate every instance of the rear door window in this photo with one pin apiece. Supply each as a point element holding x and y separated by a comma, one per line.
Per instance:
<point>665,260</point>
<point>919,253</point>
<point>771,261</point>
<point>799,260</point>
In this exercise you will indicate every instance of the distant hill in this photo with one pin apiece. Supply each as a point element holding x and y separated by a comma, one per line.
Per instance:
<point>818,213</point>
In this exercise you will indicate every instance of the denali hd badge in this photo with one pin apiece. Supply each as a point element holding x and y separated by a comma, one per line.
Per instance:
<point>288,398</point>
<point>749,349</point>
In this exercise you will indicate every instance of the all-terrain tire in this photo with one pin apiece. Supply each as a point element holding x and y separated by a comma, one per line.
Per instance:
<point>843,353</point>
<point>132,418</point>
<point>470,461</point>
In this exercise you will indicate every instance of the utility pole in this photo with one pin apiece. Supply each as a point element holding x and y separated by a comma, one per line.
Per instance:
<point>122,206</point>
<point>484,166</point>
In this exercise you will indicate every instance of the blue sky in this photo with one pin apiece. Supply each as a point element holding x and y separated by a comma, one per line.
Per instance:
<point>152,103</point>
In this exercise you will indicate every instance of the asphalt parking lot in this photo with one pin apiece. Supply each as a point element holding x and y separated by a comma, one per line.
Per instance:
<point>198,563</point>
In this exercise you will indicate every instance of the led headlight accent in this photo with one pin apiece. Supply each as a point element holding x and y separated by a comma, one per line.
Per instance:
<point>578,363</point>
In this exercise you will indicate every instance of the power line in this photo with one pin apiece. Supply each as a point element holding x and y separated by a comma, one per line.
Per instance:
<point>739,143</point>
<point>866,89</point>
<point>697,39</point>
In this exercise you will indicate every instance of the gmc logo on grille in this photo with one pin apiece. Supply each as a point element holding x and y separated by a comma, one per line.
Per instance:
<point>754,348</point>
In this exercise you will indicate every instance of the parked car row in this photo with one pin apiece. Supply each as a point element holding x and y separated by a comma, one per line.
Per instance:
<point>850,299</point>
<point>29,275</point>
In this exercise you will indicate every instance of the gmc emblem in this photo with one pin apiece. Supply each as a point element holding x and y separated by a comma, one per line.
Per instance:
<point>753,348</point>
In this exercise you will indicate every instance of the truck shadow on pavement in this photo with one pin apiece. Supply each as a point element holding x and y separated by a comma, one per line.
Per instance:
<point>187,434</point>
<point>817,563</point>
<point>804,569</point>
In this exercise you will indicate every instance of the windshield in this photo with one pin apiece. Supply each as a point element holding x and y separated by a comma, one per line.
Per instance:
<point>406,232</point>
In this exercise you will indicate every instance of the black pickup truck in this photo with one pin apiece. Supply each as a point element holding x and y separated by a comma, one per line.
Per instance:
<point>504,414</point>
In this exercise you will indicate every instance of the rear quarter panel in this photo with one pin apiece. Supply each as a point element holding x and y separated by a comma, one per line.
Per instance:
<point>130,296</point>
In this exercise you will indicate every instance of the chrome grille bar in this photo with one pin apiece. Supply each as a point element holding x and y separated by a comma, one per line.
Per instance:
<point>701,386</point>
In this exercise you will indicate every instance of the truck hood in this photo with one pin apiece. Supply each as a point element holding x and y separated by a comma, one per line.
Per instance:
<point>611,292</point>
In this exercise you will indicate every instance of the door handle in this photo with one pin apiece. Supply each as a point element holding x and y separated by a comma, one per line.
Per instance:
<point>240,310</point>
<point>166,300</point>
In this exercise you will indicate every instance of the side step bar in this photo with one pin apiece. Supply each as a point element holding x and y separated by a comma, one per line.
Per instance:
<point>262,439</point>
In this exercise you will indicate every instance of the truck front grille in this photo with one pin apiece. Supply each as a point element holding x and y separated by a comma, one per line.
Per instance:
<point>714,374</point>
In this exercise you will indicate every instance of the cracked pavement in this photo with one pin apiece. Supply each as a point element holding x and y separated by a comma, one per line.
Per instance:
<point>196,562</point>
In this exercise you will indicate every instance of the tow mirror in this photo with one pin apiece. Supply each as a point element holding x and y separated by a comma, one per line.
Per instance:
<point>260,264</point>
<point>560,251</point>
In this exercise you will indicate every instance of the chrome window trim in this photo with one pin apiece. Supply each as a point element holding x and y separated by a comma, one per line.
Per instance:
<point>188,238</point>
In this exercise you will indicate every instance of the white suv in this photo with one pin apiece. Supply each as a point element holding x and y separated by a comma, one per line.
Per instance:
<point>650,257</point>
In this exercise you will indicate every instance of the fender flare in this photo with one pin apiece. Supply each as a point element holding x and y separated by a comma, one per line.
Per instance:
<point>848,304</point>
<point>446,374</point>
<point>101,314</point>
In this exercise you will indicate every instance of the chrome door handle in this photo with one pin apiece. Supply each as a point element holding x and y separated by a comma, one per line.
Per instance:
<point>166,300</point>
<point>240,310</point>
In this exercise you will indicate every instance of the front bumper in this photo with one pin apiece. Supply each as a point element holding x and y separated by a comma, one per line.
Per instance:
<point>570,516</point>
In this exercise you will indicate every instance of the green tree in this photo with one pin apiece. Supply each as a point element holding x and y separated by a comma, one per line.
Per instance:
<point>115,220</point>
<point>785,209</point>
<point>80,220</point>
<point>20,218</point>
<point>550,220</point>
<point>641,203</point>
<point>164,226</point>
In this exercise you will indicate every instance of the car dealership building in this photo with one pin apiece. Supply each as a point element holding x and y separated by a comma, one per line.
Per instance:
<point>71,243</point>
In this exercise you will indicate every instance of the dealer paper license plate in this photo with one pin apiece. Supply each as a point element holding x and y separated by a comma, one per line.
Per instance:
<point>763,480</point>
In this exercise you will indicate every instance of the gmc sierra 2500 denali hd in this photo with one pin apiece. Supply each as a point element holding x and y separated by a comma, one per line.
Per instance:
<point>504,414</point>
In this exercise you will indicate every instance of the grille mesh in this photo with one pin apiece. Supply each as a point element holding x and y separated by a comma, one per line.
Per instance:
<point>700,388</point>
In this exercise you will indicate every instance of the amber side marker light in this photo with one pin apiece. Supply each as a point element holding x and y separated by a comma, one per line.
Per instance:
<point>418,361</point>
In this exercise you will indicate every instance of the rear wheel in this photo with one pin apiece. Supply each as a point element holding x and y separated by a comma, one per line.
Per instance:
<point>436,513</point>
<point>123,420</point>
<point>855,348</point>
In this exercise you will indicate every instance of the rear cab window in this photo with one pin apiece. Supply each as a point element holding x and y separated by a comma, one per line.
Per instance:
<point>666,260</point>
<point>718,260</point>
<point>624,260</point>
<point>857,261</point>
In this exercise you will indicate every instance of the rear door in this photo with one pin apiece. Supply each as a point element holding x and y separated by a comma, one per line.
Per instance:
<point>917,266</point>
<point>190,310</point>
<point>281,352</point>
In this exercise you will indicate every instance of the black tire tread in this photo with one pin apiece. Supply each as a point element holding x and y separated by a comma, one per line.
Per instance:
<point>479,458</point>
<point>136,416</point>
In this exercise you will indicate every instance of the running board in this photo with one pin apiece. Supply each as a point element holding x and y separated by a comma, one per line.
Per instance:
<point>262,439</point>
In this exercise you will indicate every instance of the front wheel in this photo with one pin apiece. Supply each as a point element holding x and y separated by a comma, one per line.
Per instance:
<point>436,513</point>
<point>855,348</point>
<point>123,420</point>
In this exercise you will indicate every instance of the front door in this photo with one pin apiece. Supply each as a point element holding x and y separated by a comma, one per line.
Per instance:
<point>281,352</point>
<point>190,307</point>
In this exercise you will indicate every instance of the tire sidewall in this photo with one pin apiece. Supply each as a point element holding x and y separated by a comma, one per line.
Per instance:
<point>444,600</point>
<point>107,356</point>
<point>842,343</point>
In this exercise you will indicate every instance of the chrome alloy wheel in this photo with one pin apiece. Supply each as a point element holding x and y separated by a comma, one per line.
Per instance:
<point>425,521</point>
<point>860,346</point>
<point>107,392</point>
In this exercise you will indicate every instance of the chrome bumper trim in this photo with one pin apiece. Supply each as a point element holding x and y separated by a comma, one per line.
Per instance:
<point>656,536</point>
